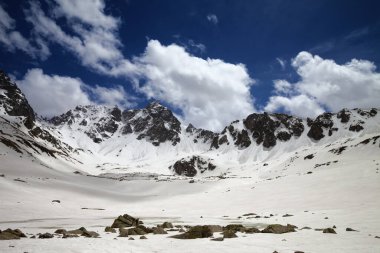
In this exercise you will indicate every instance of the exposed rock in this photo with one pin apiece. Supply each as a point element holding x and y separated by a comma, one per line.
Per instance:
<point>143,237</point>
<point>351,230</point>
<point>329,231</point>
<point>356,128</point>
<point>195,232</point>
<point>167,225</point>
<point>11,234</point>
<point>45,236</point>
<point>317,126</point>
<point>311,156</point>
<point>110,230</point>
<point>190,166</point>
<point>56,201</point>
<point>14,102</point>
<point>125,221</point>
<point>344,115</point>
<point>159,231</point>
<point>154,123</point>
<point>229,234</point>
<point>242,139</point>
<point>61,231</point>
<point>235,228</point>
<point>215,228</point>
<point>279,229</point>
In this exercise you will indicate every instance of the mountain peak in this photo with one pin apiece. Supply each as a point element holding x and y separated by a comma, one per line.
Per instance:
<point>13,101</point>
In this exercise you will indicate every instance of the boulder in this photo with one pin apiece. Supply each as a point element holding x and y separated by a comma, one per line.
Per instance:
<point>45,236</point>
<point>110,230</point>
<point>279,229</point>
<point>167,225</point>
<point>195,232</point>
<point>229,234</point>
<point>329,231</point>
<point>125,221</point>
<point>159,231</point>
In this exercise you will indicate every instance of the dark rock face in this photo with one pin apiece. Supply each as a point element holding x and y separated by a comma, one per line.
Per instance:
<point>323,121</point>
<point>344,115</point>
<point>242,139</point>
<point>190,166</point>
<point>356,128</point>
<point>155,123</point>
<point>262,128</point>
<point>14,101</point>
<point>202,135</point>
<point>329,231</point>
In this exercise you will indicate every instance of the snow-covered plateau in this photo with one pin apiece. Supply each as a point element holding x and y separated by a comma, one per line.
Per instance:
<point>88,166</point>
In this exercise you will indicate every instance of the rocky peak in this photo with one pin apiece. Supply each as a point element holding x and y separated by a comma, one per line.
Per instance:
<point>154,123</point>
<point>14,102</point>
<point>98,122</point>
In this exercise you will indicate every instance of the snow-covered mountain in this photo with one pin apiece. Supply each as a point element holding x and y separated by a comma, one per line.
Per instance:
<point>101,139</point>
<point>93,163</point>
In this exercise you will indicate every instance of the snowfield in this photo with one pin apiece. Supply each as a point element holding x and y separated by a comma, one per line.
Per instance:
<point>344,193</point>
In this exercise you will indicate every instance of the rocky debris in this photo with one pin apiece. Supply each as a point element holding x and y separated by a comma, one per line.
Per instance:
<point>351,230</point>
<point>11,234</point>
<point>190,166</point>
<point>125,221</point>
<point>279,229</point>
<point>143,237</point>
<point>159,231</point>
<point>56,201</point>
<point>317,126</point>
<point>81,232</point>
<point>110,230</point>
<point>69,236</point>
<point>14,102</point>
<point>328,231</point>
<point>155,123</point>
<point>45,236</point>
<point>287,215</point>
<point>229,234</point>
<point>308,157</point>
<point>195,232</point>
<point>139,230</point>
<point>131,239</point>
<point>339,150</point>
<point>308,228</point>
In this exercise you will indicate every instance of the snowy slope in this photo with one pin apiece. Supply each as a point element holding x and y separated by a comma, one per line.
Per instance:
<point>101,162</point>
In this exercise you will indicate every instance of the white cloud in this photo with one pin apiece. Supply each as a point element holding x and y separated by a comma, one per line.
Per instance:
<point>212,18</point>
<point>92,37</point>
<point>282,63</point>
<point>330,85</point>
<point>51,95</point>
<point>13,40</point>
<point>211,93</point>
<point>87,11</point>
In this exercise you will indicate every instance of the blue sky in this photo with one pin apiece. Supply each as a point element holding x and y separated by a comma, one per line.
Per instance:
<point>209,61</point>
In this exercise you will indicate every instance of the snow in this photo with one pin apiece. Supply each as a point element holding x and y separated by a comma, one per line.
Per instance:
<point>126,175</point>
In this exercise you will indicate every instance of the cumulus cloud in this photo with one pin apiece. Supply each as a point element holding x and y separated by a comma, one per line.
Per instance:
<point>325,84</point>
<point>210,92</point>
<point>51,95</point>
<point>212,18</point>
<point>13,40</point>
